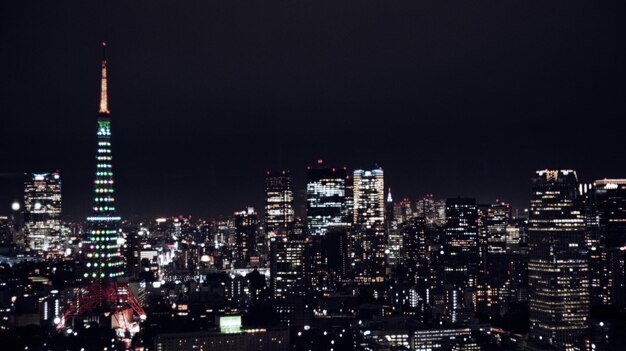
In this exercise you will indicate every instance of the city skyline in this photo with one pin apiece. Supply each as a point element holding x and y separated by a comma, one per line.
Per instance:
<point>201,94</point>
<point>332,187</point>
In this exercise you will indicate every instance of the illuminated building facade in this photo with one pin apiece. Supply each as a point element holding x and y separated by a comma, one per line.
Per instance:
<point>242,340</point>
<point>289,267</point>
<point>369,240</point>
<point>459,258</point>
<point>461,251</point>
<point>415,254</point>
<point>494,221</point>
<point>610,209</point>
<point>557,268</point>
<point>610,200</point>
<point>432,210</point>
<point>325,198</point>
<point>369,197</point>
<point>279,212</point>
<point>495,278</point>
<point>394,234</point>
<point>42,214</point>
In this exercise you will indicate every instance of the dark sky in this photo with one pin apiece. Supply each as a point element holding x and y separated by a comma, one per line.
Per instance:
<point>450,97</point>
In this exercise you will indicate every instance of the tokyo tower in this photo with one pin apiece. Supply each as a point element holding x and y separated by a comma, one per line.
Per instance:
<point>105,297</point>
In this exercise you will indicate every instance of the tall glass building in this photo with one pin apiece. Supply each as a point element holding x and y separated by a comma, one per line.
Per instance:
<point>289,267</point>
<point>245,237</point>
<point>609,265</point>
<point>369,239</point>
<point>279,211</point>
<point>42,213</point>
<point>369,197</point>
<point>557,268</point>
<point>461,251</point>
<point>325,198</point>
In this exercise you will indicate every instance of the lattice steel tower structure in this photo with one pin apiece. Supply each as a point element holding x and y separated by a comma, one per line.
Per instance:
<point>106,291</point>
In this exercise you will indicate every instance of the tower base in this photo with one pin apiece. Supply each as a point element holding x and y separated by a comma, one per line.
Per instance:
<point>101,301</point>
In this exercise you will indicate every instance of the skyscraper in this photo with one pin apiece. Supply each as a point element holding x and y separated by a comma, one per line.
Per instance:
<point>495,277</point>
<point>394,234</point>
<point>414,248</point>
<point>557,267</point>
<point>610,200</point>
<point>42,214</point>
<point>369,242</point>
<point>289,267</point>
<point>245,236</point>
<point>279,212</point>
<point>369,197</point>
<point>325,198</point>
<point>610,208</point>
<point>106,294</point>
<point>461,252</point>
<point>460,255</point>
<point>433,211</point>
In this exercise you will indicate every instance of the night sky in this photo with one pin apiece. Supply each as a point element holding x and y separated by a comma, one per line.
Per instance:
<point>449,97</point>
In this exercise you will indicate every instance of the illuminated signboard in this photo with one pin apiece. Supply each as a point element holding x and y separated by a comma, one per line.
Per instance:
<point>230,324</point>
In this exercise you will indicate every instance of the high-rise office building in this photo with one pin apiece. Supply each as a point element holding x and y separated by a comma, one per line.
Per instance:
<point>495,221</point>
<point>42,214</point>
<point>369,197</point>
<point>610,200</point>
<point>394,234</point>
<point>289,267</point>
<point>369,241</point>
<point>432,210</point>
<point>326,209</point>
<point>414,248</point>
<point>557,267</point>
<point>246,223</point>
<point>402,211</point>
<point>606,253</point>
<point>461,251</point>
<point>459,261</point>
<point>325,198</point>
<point>494,280</point>
<point>336,250</point>
<point>279,211</point>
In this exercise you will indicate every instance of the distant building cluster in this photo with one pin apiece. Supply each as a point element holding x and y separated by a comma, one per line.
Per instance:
<point>371,272</point>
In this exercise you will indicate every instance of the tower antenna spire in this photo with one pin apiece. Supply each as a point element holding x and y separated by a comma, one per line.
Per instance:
<point>104,99</point>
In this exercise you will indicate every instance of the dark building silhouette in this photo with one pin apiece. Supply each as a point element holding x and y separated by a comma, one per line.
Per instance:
<point>246,223</point>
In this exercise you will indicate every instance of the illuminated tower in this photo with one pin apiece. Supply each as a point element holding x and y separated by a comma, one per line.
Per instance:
<point>106,293</point>
<point>557,267</point>
<point>104,259</point>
